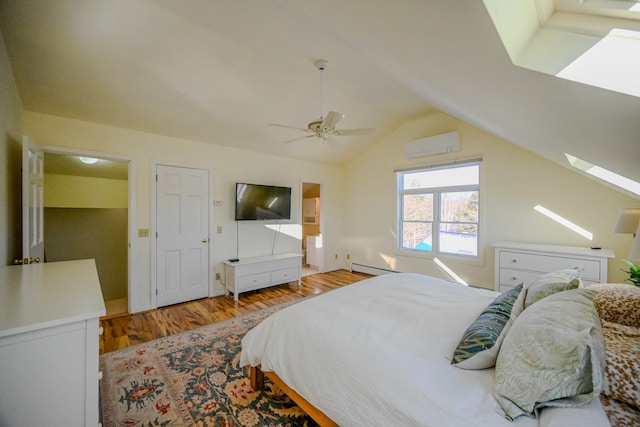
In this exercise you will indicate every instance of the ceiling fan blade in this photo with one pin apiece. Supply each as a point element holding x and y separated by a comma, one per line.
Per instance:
<point>353,131</point>
<point>332,120</point>
<point>298,139</point>
<point>289,127</point>
<point>331,142</point>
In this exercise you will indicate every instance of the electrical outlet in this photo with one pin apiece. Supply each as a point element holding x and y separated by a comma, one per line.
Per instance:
<point>348,256</point>
<point>336,256</point>
<point>217,276</point>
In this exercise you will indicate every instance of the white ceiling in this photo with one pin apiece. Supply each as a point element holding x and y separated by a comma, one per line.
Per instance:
<point>221,71</point>
<point>64,164</point>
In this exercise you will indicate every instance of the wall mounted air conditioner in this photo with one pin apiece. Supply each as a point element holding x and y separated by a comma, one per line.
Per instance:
<point>432,145</point>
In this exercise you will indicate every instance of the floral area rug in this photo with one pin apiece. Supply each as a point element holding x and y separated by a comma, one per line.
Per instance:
<point>192,379</point>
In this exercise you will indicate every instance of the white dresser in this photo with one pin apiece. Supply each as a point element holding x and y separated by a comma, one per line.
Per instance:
<point>253,273</point>
<point>523,262</point>
<point>49,325</point>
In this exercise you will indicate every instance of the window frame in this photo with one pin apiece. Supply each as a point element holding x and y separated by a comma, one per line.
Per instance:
<point>436,221</point>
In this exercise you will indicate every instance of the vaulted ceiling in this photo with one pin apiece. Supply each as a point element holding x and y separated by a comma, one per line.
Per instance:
<point>222,71</point>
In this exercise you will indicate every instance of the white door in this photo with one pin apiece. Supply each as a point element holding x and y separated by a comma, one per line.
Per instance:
<point>32,202</point>
<point>182,238</point>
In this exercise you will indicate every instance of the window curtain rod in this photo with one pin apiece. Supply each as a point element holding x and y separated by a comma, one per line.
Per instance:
<point>440,165</point>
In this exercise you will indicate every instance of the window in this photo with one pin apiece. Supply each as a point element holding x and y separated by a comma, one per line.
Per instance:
<point>438,209</point>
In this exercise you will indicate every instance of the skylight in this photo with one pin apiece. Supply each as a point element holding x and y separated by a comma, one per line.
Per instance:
<point>594,42</point>
<point>604,174</point>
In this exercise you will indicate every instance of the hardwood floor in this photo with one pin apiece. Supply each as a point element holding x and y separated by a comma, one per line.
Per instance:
<point>124,331</point>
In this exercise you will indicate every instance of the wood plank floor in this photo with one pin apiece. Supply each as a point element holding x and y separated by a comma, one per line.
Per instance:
<point>124,331</point>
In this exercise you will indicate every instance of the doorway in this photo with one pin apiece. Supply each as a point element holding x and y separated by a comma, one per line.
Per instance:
<point>312,240</point>
<point>87,215</point>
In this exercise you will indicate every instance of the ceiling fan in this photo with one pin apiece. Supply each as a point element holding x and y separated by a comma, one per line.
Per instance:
<point>325,127</point>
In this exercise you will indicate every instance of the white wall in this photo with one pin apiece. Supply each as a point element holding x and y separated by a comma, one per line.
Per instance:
<point>229,166</point>
<point>513,181</point>
<point>10,162</point>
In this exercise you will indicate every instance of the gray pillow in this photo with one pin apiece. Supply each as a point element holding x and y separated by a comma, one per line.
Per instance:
<point>553,355</point>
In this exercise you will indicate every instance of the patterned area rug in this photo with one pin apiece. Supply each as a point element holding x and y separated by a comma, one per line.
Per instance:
<point>192,379</point>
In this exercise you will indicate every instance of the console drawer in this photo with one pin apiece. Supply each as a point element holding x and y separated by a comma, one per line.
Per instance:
<point>287,275</point>
<point>252,280</point>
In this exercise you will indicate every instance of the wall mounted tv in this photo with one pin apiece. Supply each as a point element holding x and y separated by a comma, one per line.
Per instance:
<point>262,202</point>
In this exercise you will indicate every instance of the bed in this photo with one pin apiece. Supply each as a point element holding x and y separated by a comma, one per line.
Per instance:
<point>379,353</point>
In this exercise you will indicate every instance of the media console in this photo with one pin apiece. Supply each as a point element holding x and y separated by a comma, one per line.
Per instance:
<point>248,274</point>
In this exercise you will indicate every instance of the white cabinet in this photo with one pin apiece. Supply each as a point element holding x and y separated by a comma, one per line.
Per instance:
<point>249,274</point>
<point>523,262</point>
<point>311,210</point>
<point>49,322</point>
<point>314,251</point>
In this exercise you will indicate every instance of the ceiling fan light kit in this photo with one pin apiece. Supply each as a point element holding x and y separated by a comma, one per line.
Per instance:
<point>325,127</point>
<point>321,64</point>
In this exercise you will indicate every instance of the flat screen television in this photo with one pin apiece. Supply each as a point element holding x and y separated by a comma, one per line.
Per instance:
<point>262,202</point>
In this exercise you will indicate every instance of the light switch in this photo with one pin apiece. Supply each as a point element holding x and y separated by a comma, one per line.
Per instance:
<point>143,232</point>
<point>219,229</point>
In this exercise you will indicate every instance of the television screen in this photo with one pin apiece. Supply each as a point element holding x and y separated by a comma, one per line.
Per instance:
<point>262,202</point>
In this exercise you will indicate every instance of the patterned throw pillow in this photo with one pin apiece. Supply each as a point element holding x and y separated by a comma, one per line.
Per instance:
<point>618,303</point>
<point>479,346</point>
<point>622,346</point>
<point>551,283</point>
<point>552,356</point>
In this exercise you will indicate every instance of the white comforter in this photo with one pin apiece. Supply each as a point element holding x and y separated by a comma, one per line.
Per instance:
<point>377,353</point>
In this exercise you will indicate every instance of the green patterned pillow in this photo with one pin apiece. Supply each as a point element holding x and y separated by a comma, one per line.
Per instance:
<point>479,346</point>
<point>551,283</point>
<point>552,356</point>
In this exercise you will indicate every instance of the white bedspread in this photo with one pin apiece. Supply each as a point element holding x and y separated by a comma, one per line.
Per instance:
<point>377,353</point>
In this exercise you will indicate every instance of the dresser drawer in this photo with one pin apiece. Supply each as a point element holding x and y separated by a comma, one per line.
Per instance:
<point>511,278</point>
<point>287,275</point>
<point>589,269</point>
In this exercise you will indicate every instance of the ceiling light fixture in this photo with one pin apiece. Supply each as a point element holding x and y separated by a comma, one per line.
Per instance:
<point>88,160</point>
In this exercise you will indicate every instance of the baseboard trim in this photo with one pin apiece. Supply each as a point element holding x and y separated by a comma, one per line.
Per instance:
<point>369,269</point>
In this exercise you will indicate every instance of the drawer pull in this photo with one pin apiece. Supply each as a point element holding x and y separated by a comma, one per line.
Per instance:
<point>514,278</point>
<point>514,260</point>
<point>100,330</point>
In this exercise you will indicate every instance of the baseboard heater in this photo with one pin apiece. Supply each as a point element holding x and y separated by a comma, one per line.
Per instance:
<point>368,269</point>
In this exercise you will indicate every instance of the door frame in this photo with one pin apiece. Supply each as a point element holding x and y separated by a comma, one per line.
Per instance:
<point>154,228</point>
<point>322,215</point>
<point>131,209</point>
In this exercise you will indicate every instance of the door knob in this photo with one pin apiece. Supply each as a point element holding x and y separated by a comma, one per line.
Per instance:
<point>205,240</point>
